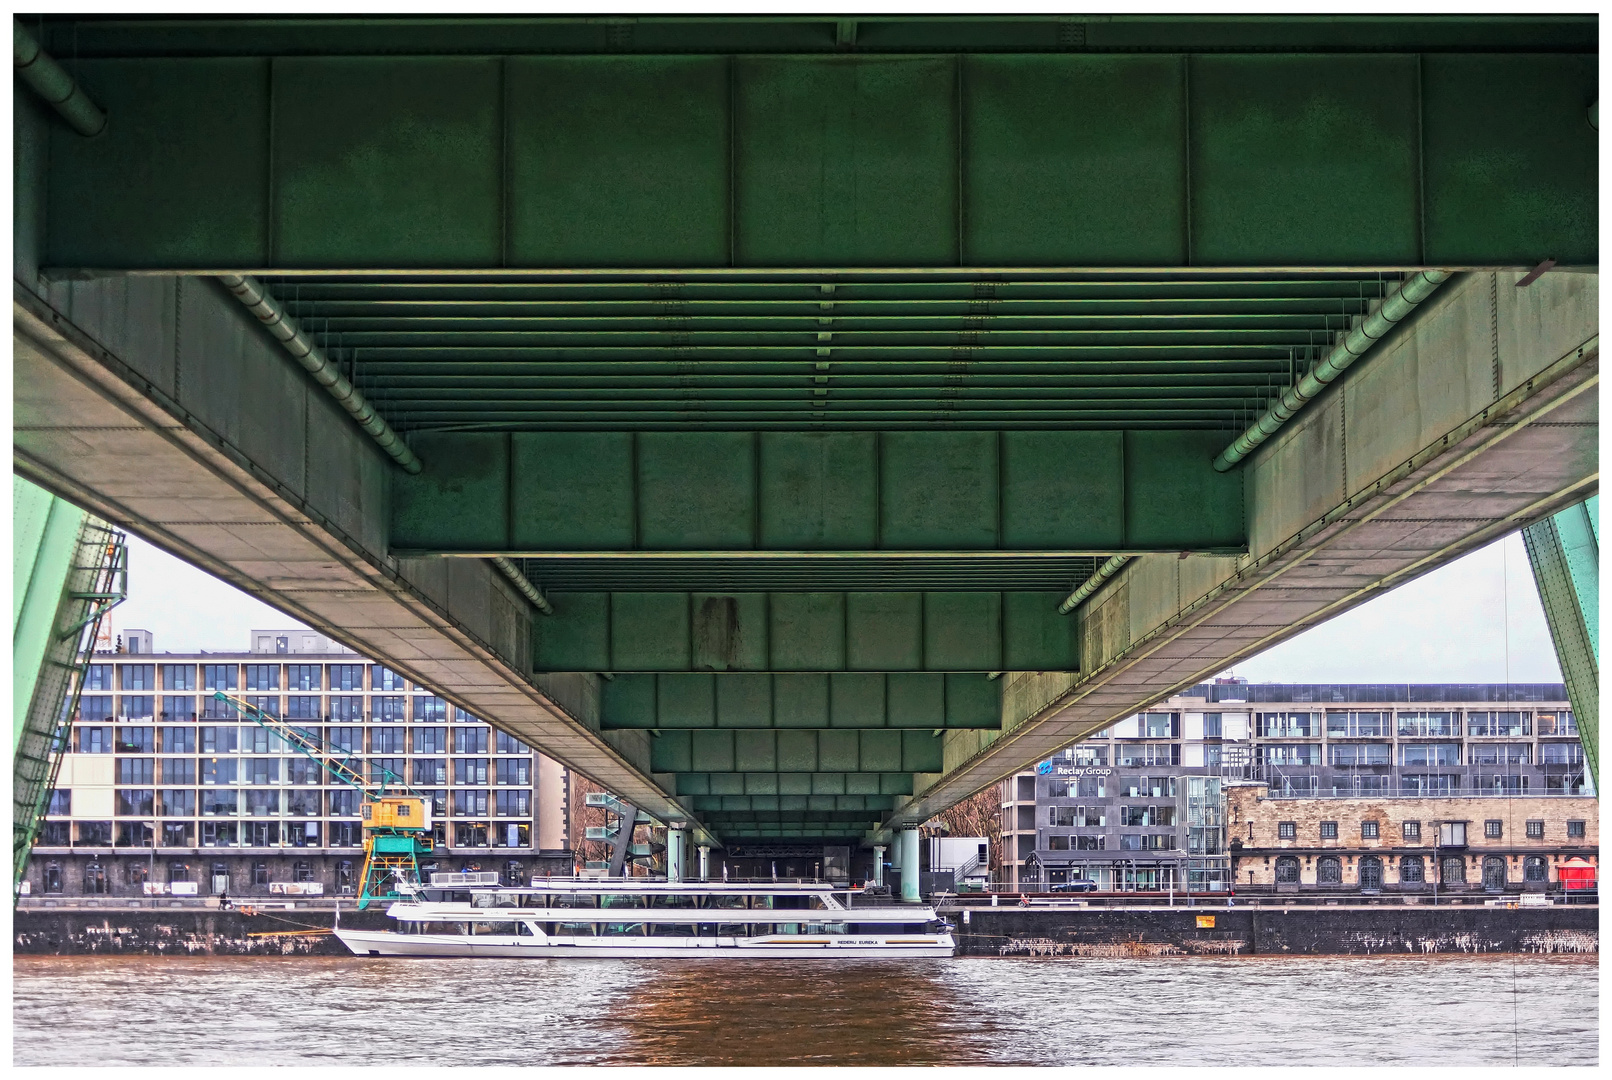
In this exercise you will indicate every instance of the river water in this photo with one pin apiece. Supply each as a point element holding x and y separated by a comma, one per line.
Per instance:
<point>1432,1010</point>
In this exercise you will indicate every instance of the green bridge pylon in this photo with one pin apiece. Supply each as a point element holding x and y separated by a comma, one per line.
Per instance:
<point>1565,553</point>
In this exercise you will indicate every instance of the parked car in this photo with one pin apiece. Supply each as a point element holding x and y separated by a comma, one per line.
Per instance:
<point>1077,885</point>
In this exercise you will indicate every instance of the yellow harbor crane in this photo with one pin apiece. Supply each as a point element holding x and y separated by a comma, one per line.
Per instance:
<point>396,818</point>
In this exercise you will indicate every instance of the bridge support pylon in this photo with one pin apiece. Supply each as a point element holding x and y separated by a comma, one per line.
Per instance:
<point>907,853</point>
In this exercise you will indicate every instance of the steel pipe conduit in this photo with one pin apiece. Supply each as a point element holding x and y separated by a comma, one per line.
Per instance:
<point>257,300</point>
<point>1104,572</point>
<point>1355,344</point>
<point>36,67</point>
<point>523,583</point>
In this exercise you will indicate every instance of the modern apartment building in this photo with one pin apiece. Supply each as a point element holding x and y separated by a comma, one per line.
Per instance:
<point>164,784</point>
<point>1142,804</point>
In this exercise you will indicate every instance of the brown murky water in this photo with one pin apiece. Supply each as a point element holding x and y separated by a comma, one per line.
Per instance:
<point>1438,1010</point>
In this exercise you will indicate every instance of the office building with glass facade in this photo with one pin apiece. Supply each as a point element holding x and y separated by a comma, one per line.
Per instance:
<point>165,784</point>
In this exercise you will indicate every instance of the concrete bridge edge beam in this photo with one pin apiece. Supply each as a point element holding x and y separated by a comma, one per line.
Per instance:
<point>432,591</point>
<point>1510,357</point>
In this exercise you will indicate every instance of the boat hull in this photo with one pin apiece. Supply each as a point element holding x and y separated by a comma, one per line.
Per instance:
<point>387,943</point>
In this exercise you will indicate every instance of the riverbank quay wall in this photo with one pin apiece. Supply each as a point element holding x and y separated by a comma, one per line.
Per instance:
<point>1273,931</point>
<point>1080,932</point>
<point>206,932</point>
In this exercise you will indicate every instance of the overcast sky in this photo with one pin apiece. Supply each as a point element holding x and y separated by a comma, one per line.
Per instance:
<point>1476,620</point>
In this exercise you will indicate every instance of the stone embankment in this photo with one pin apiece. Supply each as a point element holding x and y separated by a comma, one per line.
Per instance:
<point>1273,931</point>
<point>83,932</point>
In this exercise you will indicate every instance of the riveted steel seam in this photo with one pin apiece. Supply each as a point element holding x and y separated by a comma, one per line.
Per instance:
<point>34,66</point>
<point>1091,585</point>
<point>523,583</point>
<point>1355,344</point>
<point>256,299</point>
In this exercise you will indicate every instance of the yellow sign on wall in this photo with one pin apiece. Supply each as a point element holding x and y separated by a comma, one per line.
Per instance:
<point>1206,922</point>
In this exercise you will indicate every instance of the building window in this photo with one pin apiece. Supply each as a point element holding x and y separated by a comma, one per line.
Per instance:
<point>512,834</point>
<point>179,740</point>
<point>178,872</point>
<point>135,873</point>
<point>1491,829</point>
<point>518,803</point>
<point>386,741</point>
<point>60,803</point>
<point>514,874</point>
<point>1371,873</point>
<point>469,770</point>
<point>303,677</point>
<point>53,877</point>
<point>1452,870</point>
<point>1328,870</point>
<point>349,708</point>
<point>431,710</point>
<point>513,771</point>
<point>384,678</point>
<point>347,676</point>
<point>345,834</point>
<point>302,871</point>
<point>1287,870</point>
<point>469,835</point>
<point>1494,874</point>
<point>55,834</point>
<point>470,802</point>
<point>1411,870</point>
<point>1535,869</point>
<point>1575,830</point>
<point>1286,830</point>
<point>139,677</point>
<point>94,833</point>
<point>1452,834</point>
<point>260,873</point>
<point>94,740</point>
<point>177,834</point>
<point>137,740</point>
<point>472,740</point>
<point>1329,830</point>
<point>263,676</point>
<point>1368,830</point>
<point>388,710</point>
<point>344,877</point>
<point>179,708</point>
<point>1411,830</point>
<point>429,740</point>
<point>218,676</point>
<point>98,677</point>
<point>94,879</point>
<point>509,744</point>
<point>1536,830</point>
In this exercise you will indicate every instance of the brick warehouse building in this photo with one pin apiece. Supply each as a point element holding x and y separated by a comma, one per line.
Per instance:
<point>153,756</point>
<point>1486,843</point>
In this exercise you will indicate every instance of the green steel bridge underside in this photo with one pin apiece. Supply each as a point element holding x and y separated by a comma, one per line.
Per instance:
<point>800,368</point>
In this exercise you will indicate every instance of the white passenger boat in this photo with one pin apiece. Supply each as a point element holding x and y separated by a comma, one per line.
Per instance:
<point>472,915</point>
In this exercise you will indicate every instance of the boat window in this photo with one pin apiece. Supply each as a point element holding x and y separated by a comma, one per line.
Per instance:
<point>671,901</point>
<point>671,929</point>
<point>576,929</point>
<point>524,930</point>
<point>494,927</point>
<point>620,900</point>
<point>624,929</point>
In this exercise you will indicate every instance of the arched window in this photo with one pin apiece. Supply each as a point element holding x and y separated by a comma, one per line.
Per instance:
<point>1329,870</point>
<point>94,879</point>
<point>1534,869</point>
<point>1494,873</point>
<point>1452,870</point>
<point>1371,873</point>
<point>53,877</point>
<point>1287,870</point>
<point>1411,870</point>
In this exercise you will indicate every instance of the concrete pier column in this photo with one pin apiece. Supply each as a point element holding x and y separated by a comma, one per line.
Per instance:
<point>908,856</point>
<point>674,851</point>
<point>705,863</point>
<point>878,864</point>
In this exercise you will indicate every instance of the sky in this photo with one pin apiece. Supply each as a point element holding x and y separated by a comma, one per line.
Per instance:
<point>1476,620</point>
